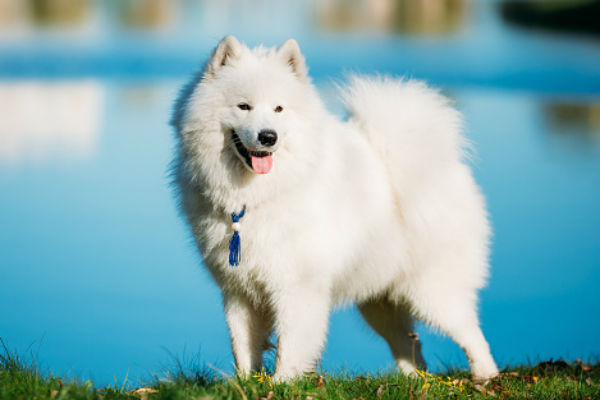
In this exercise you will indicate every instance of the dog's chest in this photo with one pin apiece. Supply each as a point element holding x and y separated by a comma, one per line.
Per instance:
<point>275,245</point>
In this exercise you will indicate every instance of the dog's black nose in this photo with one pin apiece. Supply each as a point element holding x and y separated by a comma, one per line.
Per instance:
<point>267,137</point>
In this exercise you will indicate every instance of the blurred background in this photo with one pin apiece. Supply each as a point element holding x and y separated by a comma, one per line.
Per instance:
<point>98,275</point>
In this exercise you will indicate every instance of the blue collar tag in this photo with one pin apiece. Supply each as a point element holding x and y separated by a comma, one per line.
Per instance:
<point>234,243</point>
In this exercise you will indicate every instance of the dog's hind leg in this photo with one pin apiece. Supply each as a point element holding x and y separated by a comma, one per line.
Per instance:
<point>453,310</point>
<point>394,323</point>
<point>249,329</point>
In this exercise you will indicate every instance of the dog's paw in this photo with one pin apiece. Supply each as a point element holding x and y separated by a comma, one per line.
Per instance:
<point>278,378</point>
<point>483,377</point>
<point>287,375</point>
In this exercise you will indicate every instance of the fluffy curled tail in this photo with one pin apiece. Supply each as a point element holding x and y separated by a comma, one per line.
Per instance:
<point>410,125</point>
<point>417,134</point>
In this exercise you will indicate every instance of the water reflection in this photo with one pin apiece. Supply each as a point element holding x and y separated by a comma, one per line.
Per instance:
<point>574,116</point>
<point>40,120</point>
<point>410,16</point>
<point>59,12</point>
<point>139,98</point>
<point>421,17</point>
<point>146,14</point>
<point>44,13</point>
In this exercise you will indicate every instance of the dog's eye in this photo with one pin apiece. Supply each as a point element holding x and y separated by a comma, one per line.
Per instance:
<point>278,109</point>
<point>244,106</point>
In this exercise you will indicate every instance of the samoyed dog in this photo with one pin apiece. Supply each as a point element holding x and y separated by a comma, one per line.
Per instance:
<point>295,212</point>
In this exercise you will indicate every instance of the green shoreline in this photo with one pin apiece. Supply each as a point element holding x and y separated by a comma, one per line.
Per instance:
<point>547,380</point>
<point>23,379</point>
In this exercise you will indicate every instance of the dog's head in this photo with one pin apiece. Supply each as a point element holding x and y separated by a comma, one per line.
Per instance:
<point>258,88</point>
<point>246,114</point>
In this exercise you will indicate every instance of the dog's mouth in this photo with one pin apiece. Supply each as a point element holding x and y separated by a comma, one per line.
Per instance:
<point>259,162</point>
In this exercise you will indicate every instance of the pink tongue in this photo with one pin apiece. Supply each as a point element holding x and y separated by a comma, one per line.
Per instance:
<point>262,165</point>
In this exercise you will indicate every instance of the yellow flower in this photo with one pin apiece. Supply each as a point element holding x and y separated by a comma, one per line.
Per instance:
<point>262,377</point>
<point>429,379</point>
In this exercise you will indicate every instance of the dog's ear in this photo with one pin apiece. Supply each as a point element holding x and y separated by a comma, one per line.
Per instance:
<point>289,52</point>
<point>228,49</point>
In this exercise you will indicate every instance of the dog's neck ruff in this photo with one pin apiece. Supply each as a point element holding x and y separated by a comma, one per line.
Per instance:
<point>235,245</point>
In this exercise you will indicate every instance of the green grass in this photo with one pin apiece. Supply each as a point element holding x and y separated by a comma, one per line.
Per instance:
<point>549,380</point>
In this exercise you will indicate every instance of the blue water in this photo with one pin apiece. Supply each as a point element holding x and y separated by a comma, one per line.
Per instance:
<point>98,276</point>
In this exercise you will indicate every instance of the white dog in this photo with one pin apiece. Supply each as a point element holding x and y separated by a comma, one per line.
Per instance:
<point>295,211</point>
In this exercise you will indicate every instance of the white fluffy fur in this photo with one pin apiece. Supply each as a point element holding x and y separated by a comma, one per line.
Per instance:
<point>379,210</point>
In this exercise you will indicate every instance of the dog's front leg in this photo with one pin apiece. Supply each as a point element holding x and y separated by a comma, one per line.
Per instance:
<point>249,330</point>
<point>301,319</point>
